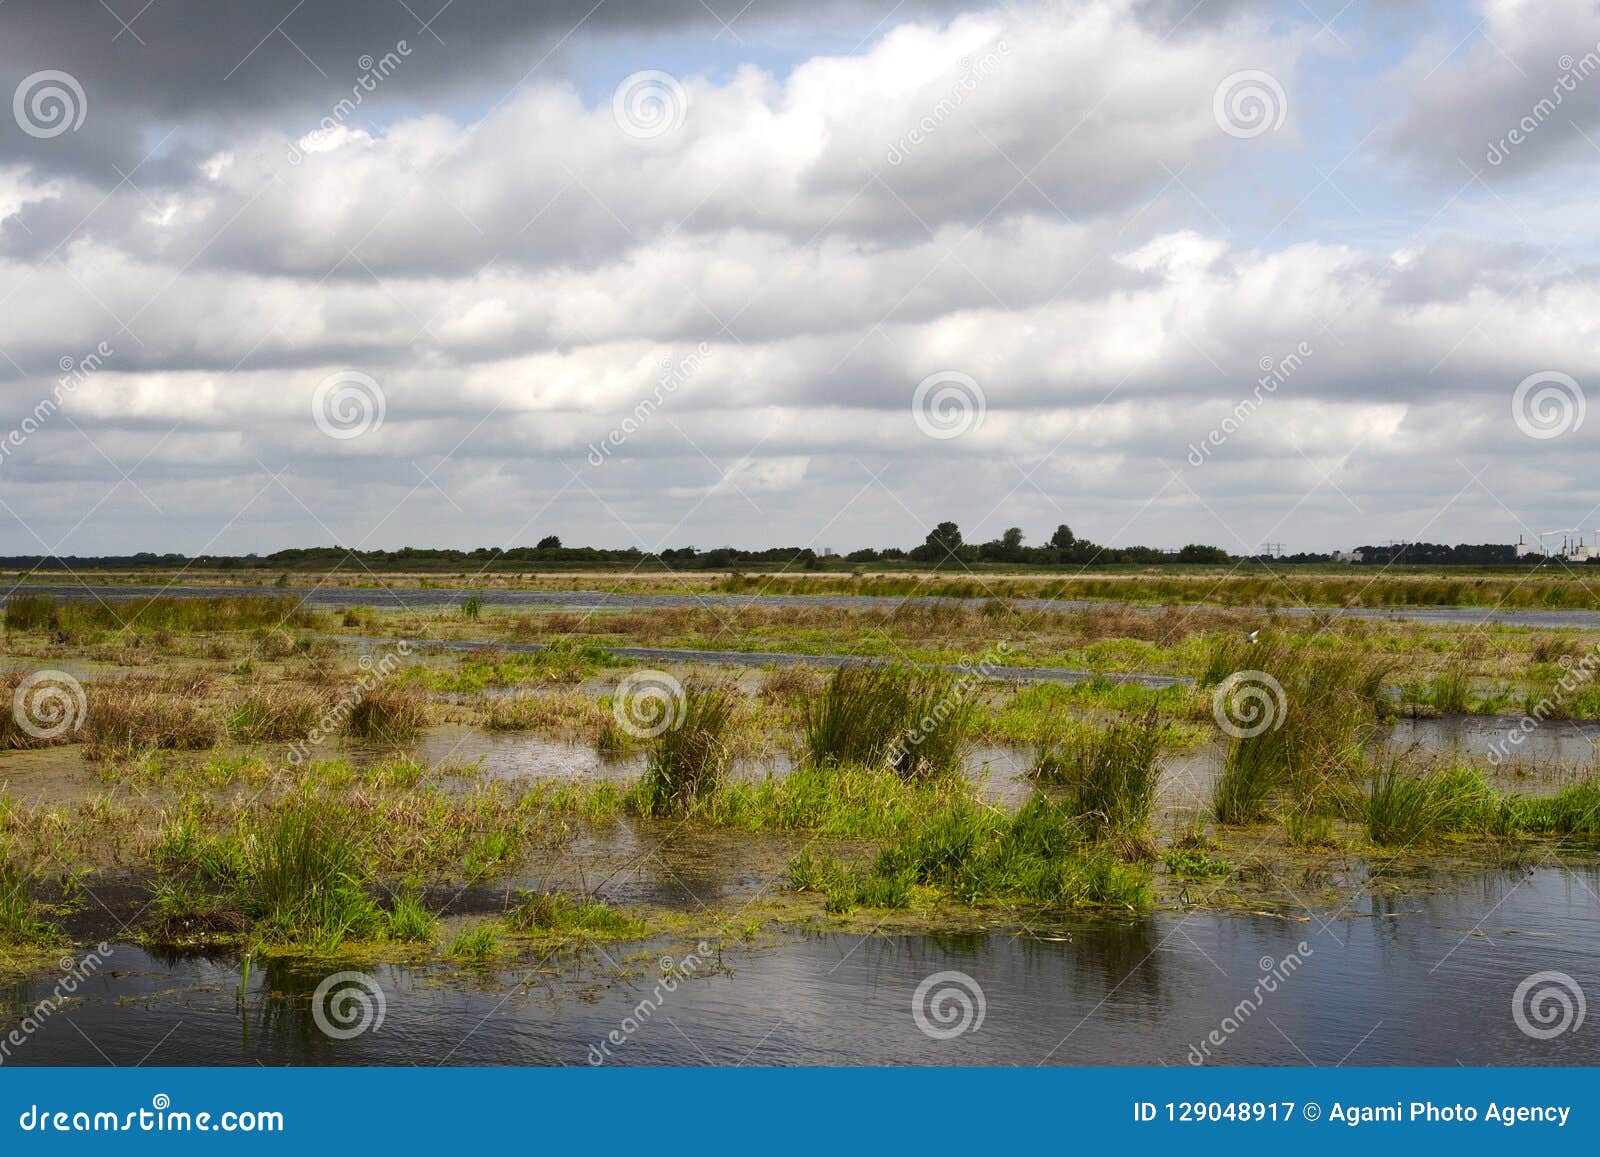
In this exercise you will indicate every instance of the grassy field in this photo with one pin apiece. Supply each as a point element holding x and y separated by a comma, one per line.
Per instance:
<point>1553,585</point>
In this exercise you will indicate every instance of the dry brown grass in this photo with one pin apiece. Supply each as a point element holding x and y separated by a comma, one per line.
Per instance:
<point>566,714</point>
<point>130,716</point>
<point>275,714</point>
<point>388,714</point>
<point>790,685</point>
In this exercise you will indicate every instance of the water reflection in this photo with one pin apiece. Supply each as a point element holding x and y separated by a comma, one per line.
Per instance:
<point>1419,979</point>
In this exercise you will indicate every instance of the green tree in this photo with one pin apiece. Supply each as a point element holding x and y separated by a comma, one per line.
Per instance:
<point>1063,538</point>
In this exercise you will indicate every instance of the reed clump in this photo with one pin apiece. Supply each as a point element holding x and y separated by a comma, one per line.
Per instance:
<point>1300,716</point>
<point>1406,808</point>
<point>21,921</point>
<point>685,763</point>
<point>919,722</point>
<point>1111,775</point>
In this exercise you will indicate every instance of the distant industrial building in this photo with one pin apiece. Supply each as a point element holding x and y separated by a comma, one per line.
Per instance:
<point>1572,549</point>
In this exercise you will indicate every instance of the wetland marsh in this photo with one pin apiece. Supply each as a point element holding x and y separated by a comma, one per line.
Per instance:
<point>510,816</point>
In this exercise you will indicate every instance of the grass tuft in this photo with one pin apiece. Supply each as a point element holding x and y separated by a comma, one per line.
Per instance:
<point>918,722</point>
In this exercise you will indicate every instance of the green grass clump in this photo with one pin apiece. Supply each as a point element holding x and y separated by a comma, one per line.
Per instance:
<point>846,801</point>
<point>920,722</point>
<point>686,761</point>
<point>472,606</point>
<point>557,662</point>
<point>28,612</point>
<point>1194,864</point>
<point>1110,775</point>
<point>21,924</point>
<point>305,877</point>
<point>1404,808</point>
<point>476,945</point>
<point>558,913</point>
<point>977,855</point>
<point>1330,703</point>
<point>409,919</point>
<point>1574,811</point>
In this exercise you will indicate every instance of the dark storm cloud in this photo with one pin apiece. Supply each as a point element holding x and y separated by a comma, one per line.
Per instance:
<point>214,66</point>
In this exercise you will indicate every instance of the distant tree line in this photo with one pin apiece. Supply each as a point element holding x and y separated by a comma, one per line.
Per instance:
<point>943,547</point>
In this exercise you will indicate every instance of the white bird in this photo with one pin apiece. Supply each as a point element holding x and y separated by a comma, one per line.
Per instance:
<point>1253,635</point>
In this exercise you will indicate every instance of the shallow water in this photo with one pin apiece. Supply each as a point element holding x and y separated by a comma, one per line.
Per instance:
<point>1424,980</point>
<point>423,598</point>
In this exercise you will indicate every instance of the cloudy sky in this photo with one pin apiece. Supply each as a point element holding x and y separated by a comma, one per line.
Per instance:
<point>696,272</point>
